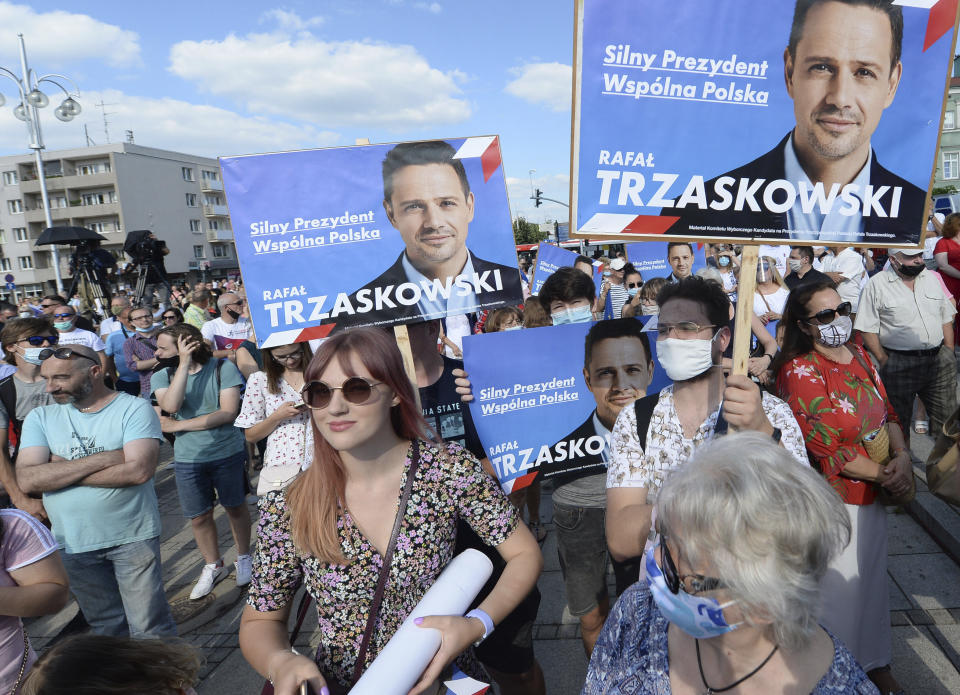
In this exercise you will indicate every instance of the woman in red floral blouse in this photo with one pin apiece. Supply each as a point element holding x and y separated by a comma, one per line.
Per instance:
<point>838,400</point>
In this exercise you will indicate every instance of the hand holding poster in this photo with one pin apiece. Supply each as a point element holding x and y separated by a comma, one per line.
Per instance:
<point>371,235</point>
<point>812,120</point>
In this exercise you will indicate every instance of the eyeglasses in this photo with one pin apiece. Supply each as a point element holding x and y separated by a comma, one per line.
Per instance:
<point>39,340</point>
<point>63,316</point>
<point>683,329</point>
<point>827,315</point>
<point>357,390</point>
<point>63,353</point>
<point>141,317</point>
<point>47,306</point>
<point>692,583</point>
<point>169,318</point>
<point>288,357</point>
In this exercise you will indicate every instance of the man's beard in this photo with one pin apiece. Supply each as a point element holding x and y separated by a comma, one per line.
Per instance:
<point>84,389</point>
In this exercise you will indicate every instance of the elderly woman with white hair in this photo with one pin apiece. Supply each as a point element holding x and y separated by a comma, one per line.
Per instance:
<point>731,594</point>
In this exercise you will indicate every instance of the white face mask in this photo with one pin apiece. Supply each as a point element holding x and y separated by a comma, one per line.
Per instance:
<point>836,333</point>
<point>795,265</point>
<point>685,359</point>
<point>650,309</point>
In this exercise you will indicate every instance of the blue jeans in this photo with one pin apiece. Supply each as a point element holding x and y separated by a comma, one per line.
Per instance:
<point>120,590</point>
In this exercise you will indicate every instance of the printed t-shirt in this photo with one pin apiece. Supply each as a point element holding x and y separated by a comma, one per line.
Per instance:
<point>444,412</point>
<point>226,336</point>
<point>89,518</point>
<point>25,541</point>
<point>202,398</point>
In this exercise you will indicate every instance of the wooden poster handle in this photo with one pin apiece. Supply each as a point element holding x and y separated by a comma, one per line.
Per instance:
<point>746,286</point>
<point>403,342</point>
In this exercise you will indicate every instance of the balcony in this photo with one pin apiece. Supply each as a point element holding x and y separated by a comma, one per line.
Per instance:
<point>219,235</point>
<point>58,215</point>
<point>99,210</point>
<point>211,186</point>
<point>59,183</point>
<point>215,211</point>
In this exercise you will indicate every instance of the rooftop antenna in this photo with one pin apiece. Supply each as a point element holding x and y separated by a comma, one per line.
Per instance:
<point>106,123</point>
<point>129,137</point>
<point>86,134</point>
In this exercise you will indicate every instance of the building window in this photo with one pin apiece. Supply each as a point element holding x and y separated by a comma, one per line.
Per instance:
<point>949,120</point>
<point>98,227</point>
<point>20,233</point>
<point>191,200</point>
<point>5,264</point>
<point>10,178</point>
<point>198,251</point>
<point>213,225</point>
<point>15,206</point>
<point>93,168</point>
<point>219,251</point>
<point>187,173</point>
<point>195,226</point>
<point>3,237</point>
<point>209,175</point>
<point>25,262</point>
<point>98,198</point>
<point>214,199</point>
<point>951,165</point>
<point>57,201</point>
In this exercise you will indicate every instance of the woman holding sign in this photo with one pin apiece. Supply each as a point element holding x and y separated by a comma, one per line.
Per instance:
<point>841,406</point>
<point>331,528</point>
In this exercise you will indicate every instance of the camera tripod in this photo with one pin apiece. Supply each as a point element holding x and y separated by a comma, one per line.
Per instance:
<point>92,286</point>
<point>143,272</point>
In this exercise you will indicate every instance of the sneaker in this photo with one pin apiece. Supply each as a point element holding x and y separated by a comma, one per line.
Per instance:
<point>209,575</point>
<point>244,566</point>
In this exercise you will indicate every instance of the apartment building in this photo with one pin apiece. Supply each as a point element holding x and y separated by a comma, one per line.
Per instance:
<point>947,173</point>
<point>113,189</point>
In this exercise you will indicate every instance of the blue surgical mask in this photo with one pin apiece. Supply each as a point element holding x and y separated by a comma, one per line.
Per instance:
<point>513,328</point>
<point>632,291</point>
<point>63,325</point>
<point>149,329</point>
<point>699,617</point>
<point>32,355</point>
<point>723,261</point>
<point>581,314</point>
<point>607,273</point>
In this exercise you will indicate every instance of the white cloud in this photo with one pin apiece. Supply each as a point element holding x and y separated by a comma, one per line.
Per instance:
<point>289,20</point>
<point>168,124</point>
<point>329,83</point>
<point>549,84</point>
<point>434,7</point>
<point>55,39</point>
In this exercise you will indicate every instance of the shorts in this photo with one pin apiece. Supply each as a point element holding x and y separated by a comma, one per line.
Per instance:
<point>582,547</point>
<point>198,481</point>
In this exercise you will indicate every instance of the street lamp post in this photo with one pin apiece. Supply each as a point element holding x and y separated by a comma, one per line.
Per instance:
<point>28,111</point>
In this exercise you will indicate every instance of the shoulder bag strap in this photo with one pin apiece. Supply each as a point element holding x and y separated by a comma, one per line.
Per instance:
<point>859,358</point>
<point>643,408</point>
<point>385,567</point>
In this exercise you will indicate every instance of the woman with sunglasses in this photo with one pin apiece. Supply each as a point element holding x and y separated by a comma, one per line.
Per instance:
<point>730,598</point>
<point>273,409</point>
<point>171,316</point>
<point>839,401</point>
<point>331,527</point>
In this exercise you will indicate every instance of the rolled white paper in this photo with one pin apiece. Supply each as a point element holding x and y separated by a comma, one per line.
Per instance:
<point>402,661</point>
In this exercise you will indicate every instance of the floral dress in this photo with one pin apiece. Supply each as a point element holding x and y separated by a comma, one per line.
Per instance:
<point>836,405</point>
<point>447,486</point>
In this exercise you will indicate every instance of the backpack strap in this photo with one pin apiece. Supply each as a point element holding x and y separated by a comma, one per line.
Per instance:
<point>643,407</point>
<point>8,399</point>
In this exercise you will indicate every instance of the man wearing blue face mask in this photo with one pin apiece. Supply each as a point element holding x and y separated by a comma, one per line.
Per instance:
<point>65,321</point>
<point>693,332</point>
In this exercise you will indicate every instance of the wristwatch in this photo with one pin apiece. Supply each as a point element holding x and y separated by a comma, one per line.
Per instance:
<point>487,624</point>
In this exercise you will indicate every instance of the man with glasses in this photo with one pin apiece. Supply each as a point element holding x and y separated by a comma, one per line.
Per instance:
<point>52,301</point>
<point>225,334</point>
<point>93,455</point>
<point>906,319</point>
<point>693,332</point>
<point>65,321</point>
<point>21,392</point>
<point>139,350</point>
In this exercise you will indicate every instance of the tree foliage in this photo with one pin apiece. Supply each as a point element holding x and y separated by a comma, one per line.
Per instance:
<point>527,232</point>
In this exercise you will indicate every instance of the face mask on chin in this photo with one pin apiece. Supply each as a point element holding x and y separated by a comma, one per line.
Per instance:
<point>168,362</point>
<point>233,314</point>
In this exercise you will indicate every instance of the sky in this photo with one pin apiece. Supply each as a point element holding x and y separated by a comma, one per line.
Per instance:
<point>225,78</point>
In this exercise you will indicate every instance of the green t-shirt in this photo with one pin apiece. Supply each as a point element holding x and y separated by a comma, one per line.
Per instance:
<point>202,398</point>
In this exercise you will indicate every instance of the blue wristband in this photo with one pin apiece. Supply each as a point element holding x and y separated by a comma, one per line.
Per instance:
<point>487,624</point>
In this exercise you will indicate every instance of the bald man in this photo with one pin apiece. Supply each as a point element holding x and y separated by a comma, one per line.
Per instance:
<point>93,455</point>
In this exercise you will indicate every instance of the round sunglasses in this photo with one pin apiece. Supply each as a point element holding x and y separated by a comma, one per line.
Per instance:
<point>828,315</point>
<point>356,390</point>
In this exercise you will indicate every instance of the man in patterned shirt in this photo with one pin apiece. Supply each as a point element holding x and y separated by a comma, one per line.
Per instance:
<point>693,332</point>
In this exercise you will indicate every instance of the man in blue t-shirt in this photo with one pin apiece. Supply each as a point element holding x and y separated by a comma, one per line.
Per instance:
<point>210,454</point>
<point>93,455</point>
<point>127,381</point>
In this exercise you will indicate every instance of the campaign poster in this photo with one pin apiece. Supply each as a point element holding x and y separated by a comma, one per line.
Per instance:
<point>550,258</point>
<point>650,258</point>
<point>371,235</point>
<point>542,416</point>
<point>829,138</point>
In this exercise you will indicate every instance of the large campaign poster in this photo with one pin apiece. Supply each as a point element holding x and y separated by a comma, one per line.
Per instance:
<point>371,235</point>
<point>829,137</point>
<point>540,415</point>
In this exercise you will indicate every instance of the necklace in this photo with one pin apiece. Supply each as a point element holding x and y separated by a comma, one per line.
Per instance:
<point>733,685</point>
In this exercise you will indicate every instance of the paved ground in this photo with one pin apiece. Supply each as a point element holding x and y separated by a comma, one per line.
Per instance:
<point>924,591</point>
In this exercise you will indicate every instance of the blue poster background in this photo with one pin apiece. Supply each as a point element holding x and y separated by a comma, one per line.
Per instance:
<point>329,184</point>
<point>552,355</point>
<point>694,137</point>
<point>549,258</point>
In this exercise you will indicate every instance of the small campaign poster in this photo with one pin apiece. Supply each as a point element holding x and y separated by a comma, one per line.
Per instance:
<point>371,235</point>
<point>551,413</point>
<point>550,257</point>
<point>800,122</point>
<point>651,258</point>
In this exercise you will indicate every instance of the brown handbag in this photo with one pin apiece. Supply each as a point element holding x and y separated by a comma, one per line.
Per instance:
<point>943,464</point>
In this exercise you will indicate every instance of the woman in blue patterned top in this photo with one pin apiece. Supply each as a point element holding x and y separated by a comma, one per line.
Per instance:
<point>731,596</point>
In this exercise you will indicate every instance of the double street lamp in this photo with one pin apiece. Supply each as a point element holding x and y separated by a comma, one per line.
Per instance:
<point>32,99</point>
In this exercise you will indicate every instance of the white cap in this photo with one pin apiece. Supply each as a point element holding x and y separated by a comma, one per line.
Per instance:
<point>912,251</point>
<point>617,263</point>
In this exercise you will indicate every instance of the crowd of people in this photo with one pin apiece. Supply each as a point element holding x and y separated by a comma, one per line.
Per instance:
<point>364,496</point>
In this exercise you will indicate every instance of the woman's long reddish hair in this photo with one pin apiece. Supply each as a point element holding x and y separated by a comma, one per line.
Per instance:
<point>313,498</point>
